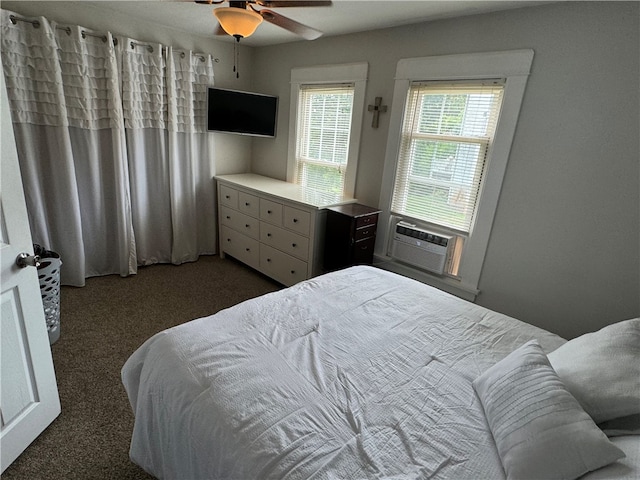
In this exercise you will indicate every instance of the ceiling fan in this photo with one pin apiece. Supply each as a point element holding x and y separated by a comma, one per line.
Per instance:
<point>241,18</point>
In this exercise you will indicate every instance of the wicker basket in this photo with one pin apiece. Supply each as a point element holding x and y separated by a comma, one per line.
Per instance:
<point>49,276</point>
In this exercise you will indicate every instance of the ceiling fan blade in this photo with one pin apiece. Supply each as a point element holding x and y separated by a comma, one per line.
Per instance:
<point>288,24</point>
<point>292,3</point>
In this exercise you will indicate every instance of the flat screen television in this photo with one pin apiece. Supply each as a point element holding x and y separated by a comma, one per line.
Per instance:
<point>244,113</point>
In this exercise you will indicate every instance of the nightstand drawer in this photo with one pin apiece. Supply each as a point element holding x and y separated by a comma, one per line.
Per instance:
<point>364,232</point>
<point>240,222</point>
<point>271,212</point>
<point>228,196</point>
<point>239,246</point>
<point>367,220</point>
<point>249,204</point>
<point>284,240</point>
<point>363,251</point>
<point>297,220</point>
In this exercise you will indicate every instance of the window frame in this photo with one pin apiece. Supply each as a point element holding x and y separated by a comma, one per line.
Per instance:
<point>306,122</point>
<point>514,66</point>
<point>355,73</point>
<point>404,176</point>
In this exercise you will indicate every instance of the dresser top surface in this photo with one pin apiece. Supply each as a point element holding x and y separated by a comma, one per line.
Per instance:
<point>285,190</point>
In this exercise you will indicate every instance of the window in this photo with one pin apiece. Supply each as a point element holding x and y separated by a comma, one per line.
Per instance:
<point>446,134</point>
<point>327,105</point>
<point>324,128</point>
<point>452,124</point>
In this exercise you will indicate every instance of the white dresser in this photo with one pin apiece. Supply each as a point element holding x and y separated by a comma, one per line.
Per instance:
<point>273,226</point>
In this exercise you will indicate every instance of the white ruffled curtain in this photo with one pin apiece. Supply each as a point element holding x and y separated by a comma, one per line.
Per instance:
<point>165,98</point>
<point>144,95</point>
<point>191,169</point>
<point>38,109</point>
<point>116,161</point>
<point>91,85</point>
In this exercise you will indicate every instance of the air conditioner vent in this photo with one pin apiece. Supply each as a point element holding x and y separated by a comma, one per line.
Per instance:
<point>421,248</point>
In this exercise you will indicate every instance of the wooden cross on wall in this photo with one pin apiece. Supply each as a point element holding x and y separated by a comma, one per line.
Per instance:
<point>377,108</point>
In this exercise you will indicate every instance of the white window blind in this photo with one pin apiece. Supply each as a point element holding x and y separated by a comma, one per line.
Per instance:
<point>324,130</point>
<point>447,131</point>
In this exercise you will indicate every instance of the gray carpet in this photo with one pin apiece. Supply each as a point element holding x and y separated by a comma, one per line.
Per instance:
<point>101,325</point>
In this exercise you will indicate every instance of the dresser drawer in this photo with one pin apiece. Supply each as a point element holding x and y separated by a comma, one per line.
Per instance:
<point>270,217</point>
<point>284,268</point>
<point>249,204</point>
<point>240,222</point>
<point>284,240</point>
<point>296,220</point>
<point>239,246</point>
<point>228,196</point>
<point>271,211</point>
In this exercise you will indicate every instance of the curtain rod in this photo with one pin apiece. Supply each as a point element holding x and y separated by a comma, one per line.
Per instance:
<point>164,49</point>
<point>36,24</point>
<point>14,20</point>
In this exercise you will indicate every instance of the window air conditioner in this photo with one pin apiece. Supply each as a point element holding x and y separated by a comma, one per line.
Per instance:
<point>421,248</point>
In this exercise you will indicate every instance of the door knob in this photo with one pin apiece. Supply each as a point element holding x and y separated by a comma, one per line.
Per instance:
<point>26,260</point>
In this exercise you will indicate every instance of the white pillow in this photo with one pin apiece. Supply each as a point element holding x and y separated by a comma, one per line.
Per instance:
<point>602,370</point>
<point>540,430</point>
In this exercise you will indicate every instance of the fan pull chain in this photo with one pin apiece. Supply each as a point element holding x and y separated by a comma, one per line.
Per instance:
<point>236,56</point>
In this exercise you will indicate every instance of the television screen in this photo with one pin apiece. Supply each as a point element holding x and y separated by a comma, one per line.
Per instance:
<point>244,113</point>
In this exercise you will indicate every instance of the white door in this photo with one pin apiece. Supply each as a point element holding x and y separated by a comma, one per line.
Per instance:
<point>28,392</point>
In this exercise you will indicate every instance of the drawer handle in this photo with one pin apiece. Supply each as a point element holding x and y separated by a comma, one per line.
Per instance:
<point>228,217</point>
<point>246,225</point>
<point>293,272</point>
<point>268,234</point>
<point>295,220</point>
<point>293,245</point>
<point>269,212</point>
<point>246,203</point>
<point>227,197</point>
<point>228,239</point>
<point>268,259</point>
<point>248,249</point>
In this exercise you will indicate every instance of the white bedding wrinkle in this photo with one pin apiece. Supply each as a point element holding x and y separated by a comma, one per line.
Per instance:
<point>356,374</point>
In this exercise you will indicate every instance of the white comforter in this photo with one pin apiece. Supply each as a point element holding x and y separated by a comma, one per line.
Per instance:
<point>356,374</point>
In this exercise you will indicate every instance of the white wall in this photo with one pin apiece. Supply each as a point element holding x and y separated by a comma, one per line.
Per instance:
<point>564,251</point>
<point>233,152</point>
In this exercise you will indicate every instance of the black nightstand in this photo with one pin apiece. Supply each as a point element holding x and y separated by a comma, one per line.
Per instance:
<point>350,236</point>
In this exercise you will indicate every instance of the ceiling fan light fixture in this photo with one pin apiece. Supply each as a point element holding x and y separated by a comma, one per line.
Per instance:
<point>238,22</point>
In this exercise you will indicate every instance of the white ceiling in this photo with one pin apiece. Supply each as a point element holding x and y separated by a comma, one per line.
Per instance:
<point>344,16</point>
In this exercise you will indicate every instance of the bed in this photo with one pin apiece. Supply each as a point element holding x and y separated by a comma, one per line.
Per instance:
<point>362,373</point>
